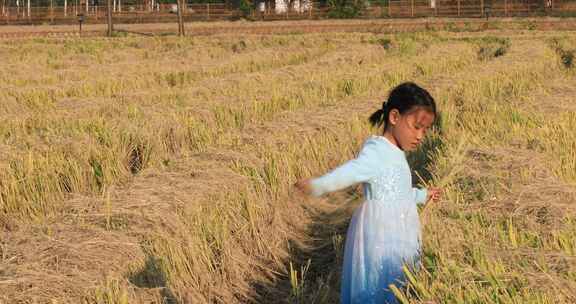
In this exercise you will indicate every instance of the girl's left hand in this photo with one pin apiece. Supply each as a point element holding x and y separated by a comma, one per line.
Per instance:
<point>434,194</point>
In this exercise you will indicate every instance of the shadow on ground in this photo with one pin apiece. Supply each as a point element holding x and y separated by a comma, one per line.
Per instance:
<point>152,276</point>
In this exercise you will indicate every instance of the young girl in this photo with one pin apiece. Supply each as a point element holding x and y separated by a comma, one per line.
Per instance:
<point>384,233</point>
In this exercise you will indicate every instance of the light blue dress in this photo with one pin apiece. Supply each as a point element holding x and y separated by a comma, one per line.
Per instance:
<point>384,233</point>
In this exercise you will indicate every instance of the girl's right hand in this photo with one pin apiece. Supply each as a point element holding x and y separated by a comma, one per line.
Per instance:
<point>434,195</point>
<point>303,186</point>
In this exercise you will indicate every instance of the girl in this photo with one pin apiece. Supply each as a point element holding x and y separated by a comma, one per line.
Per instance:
<point>384,233</point>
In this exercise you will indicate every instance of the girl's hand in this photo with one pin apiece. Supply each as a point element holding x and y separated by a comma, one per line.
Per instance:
<point>303,186</point>
<point>434,194</point>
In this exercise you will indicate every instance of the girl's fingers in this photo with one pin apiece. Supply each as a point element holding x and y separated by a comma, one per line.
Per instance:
<point>435,194</point>
<point>303,186</point>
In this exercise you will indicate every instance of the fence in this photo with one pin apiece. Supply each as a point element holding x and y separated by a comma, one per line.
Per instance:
<point>479,8</point>
<point>128,14</point>
<point>219,11</point>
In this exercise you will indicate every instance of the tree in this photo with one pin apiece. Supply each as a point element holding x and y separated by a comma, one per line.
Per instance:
<point>345,8</point>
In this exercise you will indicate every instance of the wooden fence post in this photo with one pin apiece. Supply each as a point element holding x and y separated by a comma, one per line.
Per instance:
<point>481,8</point>
<point>458,8</point>
<point>180,6</point>
<point>208,11</point>
<point>389,8</point>
<point>109,18</point>
<point>412,8</point>
<point>51,11</point>
<point>506,8</point>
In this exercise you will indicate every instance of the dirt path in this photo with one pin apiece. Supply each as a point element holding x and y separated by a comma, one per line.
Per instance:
<point>287,27</point>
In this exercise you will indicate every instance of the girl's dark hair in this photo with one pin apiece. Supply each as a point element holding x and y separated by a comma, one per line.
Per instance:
<point>403,98</point>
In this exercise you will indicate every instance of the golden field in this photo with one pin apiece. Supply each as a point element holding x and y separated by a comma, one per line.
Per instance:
<point>159,169</point>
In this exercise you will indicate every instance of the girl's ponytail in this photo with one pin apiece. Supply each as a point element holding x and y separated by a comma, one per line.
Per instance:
<point>379,117</point>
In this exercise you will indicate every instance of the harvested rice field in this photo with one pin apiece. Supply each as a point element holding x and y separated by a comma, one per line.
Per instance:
<point>159,169</point>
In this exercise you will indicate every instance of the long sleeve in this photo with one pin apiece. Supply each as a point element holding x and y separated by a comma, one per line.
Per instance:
<point>358,170</point>
<point>420,195</point>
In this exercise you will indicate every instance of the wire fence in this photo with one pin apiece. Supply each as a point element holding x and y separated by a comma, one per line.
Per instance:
<point>27,13</point>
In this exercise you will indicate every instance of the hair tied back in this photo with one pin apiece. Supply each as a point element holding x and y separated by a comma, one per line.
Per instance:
<point>403,98</point>
<point>377,118</point>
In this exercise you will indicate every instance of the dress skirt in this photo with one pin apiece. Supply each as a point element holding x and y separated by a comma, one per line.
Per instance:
<point>382,237</point>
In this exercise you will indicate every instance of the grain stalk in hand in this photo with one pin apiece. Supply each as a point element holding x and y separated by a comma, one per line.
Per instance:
<point>441,180</point>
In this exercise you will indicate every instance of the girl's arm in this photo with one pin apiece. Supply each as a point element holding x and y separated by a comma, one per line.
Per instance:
<point>352,172</point>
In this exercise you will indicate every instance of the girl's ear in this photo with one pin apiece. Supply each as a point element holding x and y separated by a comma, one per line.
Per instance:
<point>393,117</point>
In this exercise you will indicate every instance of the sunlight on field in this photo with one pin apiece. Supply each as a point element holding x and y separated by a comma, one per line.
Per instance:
<point>159,169</point>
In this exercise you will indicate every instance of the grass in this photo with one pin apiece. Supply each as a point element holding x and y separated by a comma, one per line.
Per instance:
<point>492,47</point>
<point>562,46</point>
<point>484,274</point>
<point>187,147</point>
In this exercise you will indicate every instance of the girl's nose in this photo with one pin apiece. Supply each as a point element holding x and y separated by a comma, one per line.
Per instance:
<point>420,135</point>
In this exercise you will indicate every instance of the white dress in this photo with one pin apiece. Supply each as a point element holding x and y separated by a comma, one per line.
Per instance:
<point>384,233</point>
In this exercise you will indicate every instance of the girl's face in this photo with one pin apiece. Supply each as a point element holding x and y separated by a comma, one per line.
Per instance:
<point>409,129</point>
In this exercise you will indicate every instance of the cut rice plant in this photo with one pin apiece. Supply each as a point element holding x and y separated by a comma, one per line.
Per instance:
<point>160,169</point>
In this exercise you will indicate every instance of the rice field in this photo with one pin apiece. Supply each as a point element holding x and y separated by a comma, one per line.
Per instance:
<point>159,169</point>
